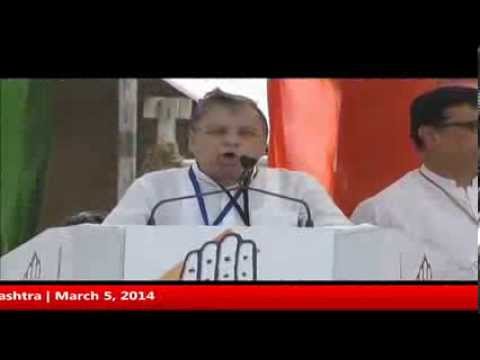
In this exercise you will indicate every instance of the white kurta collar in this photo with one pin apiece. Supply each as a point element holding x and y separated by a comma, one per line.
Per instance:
<point>475,183</point>
<point>201,176</point>
<point>444,182</point>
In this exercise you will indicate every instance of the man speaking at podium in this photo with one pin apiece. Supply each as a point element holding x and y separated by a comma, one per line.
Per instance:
<point>227,135</point>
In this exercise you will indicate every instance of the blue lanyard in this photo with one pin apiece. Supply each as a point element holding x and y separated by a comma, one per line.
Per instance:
<point>201,202</point>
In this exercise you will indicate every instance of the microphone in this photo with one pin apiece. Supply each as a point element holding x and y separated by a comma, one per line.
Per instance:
<point>248,164</point>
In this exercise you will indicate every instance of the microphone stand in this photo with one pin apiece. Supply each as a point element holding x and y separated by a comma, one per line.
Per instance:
<point>248,163</point>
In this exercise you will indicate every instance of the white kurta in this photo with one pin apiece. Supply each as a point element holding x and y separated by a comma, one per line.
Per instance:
<point>145,192</point>
<point>430,218</point>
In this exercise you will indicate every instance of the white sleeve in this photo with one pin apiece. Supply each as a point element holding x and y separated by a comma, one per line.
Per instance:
<point>365,213</point>
<point>324,211</point>
<point>134,207</point>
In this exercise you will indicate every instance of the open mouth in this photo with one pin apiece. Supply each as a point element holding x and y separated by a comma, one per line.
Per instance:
<point>229,158</point>
<point>229,155</point>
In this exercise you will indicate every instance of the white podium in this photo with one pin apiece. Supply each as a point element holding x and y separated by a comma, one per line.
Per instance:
<point>95,252</point>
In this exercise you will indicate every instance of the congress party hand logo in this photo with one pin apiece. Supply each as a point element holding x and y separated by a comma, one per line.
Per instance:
<point>230,259</point>
<point>226,258</point>
<point>425,270</point>
<point>34,268</point>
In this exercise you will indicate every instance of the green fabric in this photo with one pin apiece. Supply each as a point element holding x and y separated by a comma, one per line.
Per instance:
<point>26,137</point>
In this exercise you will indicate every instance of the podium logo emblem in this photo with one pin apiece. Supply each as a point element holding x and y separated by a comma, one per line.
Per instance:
<point>425,270</point>
<point>34,268</point>
<point>229,257</point>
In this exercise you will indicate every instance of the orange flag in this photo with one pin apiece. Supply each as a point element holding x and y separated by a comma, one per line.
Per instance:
<point>304,126</point>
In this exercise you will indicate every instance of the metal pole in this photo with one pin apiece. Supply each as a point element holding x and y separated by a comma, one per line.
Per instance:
<point>127,134</point>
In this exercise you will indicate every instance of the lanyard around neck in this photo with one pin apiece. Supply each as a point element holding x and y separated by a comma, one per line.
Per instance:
<point>233,202</point>
<point>450,197</point>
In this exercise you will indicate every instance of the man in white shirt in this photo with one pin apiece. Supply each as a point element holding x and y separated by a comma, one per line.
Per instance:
<point>223,128</point>
<point>436,205</point>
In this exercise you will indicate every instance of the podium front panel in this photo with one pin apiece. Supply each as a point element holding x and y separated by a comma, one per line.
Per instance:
<point>282,253</point>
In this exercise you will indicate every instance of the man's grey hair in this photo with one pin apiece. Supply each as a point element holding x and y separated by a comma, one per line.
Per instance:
<point>219,97</point>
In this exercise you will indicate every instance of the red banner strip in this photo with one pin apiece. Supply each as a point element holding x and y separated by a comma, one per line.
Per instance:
<point>238,297</point>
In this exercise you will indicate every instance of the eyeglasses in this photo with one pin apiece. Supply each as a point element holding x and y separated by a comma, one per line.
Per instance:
<point>220,132</point>
<point>471,125</point>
